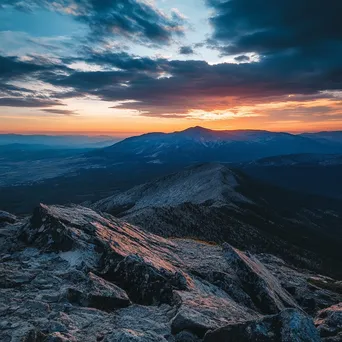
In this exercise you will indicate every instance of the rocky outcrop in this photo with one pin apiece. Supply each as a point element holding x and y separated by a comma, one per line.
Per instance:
<point>264,290</point>
<point>98,293</point>
<point>329,323</point>
<point>140,262</point>
<point>145,283</point>
<point>313,292</point>
<point>288,326</point>
<point>214,202</point>
<point>77,275</point>
<point>6,217</point>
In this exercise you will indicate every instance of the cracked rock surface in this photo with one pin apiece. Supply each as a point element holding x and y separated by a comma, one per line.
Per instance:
<point>73,274</point>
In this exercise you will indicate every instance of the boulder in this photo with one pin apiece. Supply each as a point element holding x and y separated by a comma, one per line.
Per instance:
<point>141,263</point>
<point>329,323</point>
<point>192,320</point>
<point>98,293</point>
<point>262,287</point>
<point>313,292</point>
<point>145,283</point>
<point>231,285</point>
<point>288,326</point>
<point>207,307</point>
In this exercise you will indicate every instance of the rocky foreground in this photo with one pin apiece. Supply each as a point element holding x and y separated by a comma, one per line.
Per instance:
<point>213,202</point>
<point>72,274</point>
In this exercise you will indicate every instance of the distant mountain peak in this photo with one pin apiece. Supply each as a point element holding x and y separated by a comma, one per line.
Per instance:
<point>197,129</point>
<point>200,129</point>
<point>198,144</point>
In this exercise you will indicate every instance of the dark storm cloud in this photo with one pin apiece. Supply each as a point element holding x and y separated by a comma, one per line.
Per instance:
<point>14,69</point>
<point>11,67</point>
<point>28,102</point>
<point>267,26</point>
<point>92,80</point>
<point>11,90</point>
<point>186,50</point>
<point>36,68</point>
<point>131,18</point>
<point>134,19</point>
<point>159,86</point>
<point>300,48</point>
<point>124,61</point>
<point>299,44</point>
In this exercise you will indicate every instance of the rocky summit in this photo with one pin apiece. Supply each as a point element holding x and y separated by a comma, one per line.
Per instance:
<point>73,274</point>
<point>213,202</point>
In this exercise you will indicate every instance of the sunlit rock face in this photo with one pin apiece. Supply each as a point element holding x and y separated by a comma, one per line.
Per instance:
<point>215,202</point>
<point>73,274</point>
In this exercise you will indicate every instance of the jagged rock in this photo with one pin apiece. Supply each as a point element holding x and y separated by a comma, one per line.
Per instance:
<point>96,259</point>
<point>207,307</point>
<point>192,320</point>
<point>213,202</point>
<point>111,245</point>
<point>329,323</point>
<point>154,319</point>
<point>100,294</point>
<point>231,285</point>
<point>264,289</point>
<point>52,229</point>
<point>288,326</point>
<point>144,283</point>
<point>6,217</point>
<point>313,292</point>
<point>127,335</point>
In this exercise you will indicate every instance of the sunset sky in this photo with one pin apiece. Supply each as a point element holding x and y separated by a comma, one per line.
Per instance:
<point>125,67</point>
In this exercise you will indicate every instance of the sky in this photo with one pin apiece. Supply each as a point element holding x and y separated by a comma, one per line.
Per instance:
<point>125,67</point>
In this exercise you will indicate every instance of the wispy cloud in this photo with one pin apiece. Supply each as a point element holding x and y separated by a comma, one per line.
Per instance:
<point>59,111</point>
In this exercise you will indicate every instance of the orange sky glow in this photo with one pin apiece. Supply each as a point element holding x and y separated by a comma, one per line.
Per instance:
<point>99,119</point>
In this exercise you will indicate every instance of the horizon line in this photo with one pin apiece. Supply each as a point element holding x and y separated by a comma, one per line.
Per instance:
<point>129,134</point>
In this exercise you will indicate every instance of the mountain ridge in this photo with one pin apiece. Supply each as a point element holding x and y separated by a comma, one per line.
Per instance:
<point>68,273</point>
<point>245,212</point>
<point>198,144</point>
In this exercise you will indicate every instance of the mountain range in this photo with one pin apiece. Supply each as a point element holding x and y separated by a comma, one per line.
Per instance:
<point>31,173</point>
<point>198,144</point>
<point>171,245</point>
<point>43,141</point>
